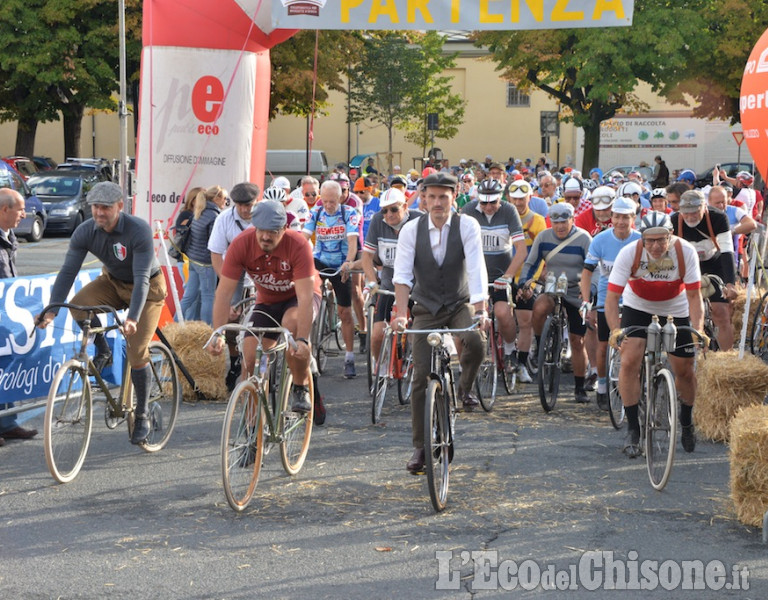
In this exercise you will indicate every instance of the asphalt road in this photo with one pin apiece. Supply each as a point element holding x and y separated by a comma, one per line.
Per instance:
<point>353,523</point>
<point>539,492</point>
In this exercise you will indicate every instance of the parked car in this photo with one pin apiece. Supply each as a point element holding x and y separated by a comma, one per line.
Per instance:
<point>25,166</point>
<point>44,163</point>
<point>647,172</point>
<point>101,165</point>
<point>33,224</point>
<point>63,194</point>
<point>704,178</point>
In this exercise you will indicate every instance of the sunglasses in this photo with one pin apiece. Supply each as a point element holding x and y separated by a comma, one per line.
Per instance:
<point>310,195</point>
<point>391,209</point>
<point>523,187</point>
<point>656,241</point>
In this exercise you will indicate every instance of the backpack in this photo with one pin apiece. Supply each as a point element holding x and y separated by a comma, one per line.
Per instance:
<point>180,241</point>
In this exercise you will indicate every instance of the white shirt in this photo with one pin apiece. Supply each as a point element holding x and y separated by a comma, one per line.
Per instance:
<point>299,209</point>
<point>469,228</point>
<point>227,226</point>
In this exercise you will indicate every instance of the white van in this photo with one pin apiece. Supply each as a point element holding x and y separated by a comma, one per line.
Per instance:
<point>293,165</point>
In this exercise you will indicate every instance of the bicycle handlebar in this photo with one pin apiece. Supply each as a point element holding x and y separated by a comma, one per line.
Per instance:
<point>255,331</point>
<point>442,330</point>
<point>98,308</point>
<point>635,328</point>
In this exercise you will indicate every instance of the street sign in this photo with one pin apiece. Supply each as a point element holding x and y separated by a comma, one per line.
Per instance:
<point>432,122</point>
<point>738,136</point>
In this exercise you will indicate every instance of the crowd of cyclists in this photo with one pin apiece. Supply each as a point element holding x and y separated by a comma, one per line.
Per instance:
<point>499,236</point>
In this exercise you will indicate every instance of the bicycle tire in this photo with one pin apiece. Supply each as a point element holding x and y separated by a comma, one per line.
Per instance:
<point>758,338</point>
<point>437,442</point>
<point>486,381</point>
<point>164,397</point>
<point>405,381</point>
<point>381,382</point>
<point>509,377</point>
<point>548,376</point>
<point>615,403</point>
<point>68,421</point>
<point>320,336</point>
<point>334,323</point>
<point>295,429</point>
<point>242,445</point>
<point>661,428</point>
<point>369,358</point>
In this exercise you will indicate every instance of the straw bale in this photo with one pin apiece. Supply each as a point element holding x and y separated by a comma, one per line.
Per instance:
<point>209,372</point>
<point>739,303</point>
<point>749,464</point>
<point>726,384</point>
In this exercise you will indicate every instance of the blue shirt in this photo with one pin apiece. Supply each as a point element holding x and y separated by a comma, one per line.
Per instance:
<point>369,210</point>
<point>331,233</point>
<point>602,253</point>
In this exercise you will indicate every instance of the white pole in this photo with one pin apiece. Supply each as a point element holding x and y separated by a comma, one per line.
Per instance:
<point>750,288</point>
<point>122,110</point>
<point>166,261</point>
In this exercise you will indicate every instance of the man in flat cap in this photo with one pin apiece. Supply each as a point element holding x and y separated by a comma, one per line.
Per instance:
<point>440,264</point>
<point>281,265</point>
<point>131,278</point>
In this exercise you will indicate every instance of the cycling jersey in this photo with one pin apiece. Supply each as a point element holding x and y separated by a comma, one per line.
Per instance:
<point>715,255</point>
<point>369,210</point>
<point>602,253</point>
<point>382,242</point>
<point>332,232</point>
<point>499,233</point>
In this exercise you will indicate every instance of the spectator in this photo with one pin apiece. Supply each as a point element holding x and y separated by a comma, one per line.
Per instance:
<point>11,214</point>
<point>660,173</point>
<point>197,303</point>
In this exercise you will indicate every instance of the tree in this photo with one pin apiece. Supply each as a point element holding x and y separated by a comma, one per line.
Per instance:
<point>592,73</point>
<point>713,75</point>
<point>398,83</point>
<point>434,96</point>
<point>293,69</point>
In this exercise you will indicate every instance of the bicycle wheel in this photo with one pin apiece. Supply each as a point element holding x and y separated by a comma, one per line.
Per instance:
<point>164,397</point>
<point>381,381</point>
<point>405,381</point>
<point>68,421</point>
<point>509,376</point>
<point>369,358</point>
<point>615,404</point>
<point>437,442</point>
<point>242,446</point>
<point>320,338</point>
<point>758,338</point>
<point>334,323</point>
<point>661,428</point>
<point>295,429</point>
<point>487,375</point>
<point>548,375</point>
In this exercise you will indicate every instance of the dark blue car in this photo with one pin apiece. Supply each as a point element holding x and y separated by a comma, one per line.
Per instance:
<point>33,224</point>
<point>64,196</point>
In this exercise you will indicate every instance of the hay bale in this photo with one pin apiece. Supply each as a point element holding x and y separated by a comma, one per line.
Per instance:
<point>209,372</point>
<point>738,305</point>
<point>749,464</point>
<point>726,384</point>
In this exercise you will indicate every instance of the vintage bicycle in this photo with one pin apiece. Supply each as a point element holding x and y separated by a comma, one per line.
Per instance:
<point>69,409</point>
<point>486,383</point>
<point>327,324</point>
<point>395,364</point>
<point>440,410</point>
<point>554,346</point>
<point>258,416</point>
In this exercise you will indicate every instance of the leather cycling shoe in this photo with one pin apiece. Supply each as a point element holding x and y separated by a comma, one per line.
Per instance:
<point>140,430</point>
<point>581,397</point>
<point>19,433</point>
<point>602,401</point>
<point>469,401</point>
<point>687,438</point>
<point>632,444</point>
<point>101,361</point>
<point>415,465</point>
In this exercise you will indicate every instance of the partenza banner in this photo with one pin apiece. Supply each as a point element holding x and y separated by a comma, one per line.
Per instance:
<point>464,15</point>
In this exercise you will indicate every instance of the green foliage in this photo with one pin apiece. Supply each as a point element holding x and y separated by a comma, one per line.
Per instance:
<point>399,81</point>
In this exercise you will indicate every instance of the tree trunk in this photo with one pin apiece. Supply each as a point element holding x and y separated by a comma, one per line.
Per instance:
<point>25,136</point>
<point>73,125</point>
<point>591,146</point>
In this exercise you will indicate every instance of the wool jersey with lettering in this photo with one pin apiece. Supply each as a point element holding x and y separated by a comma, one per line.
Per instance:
<point>331,233</point>
<point>602,252</point>
<point>499,233</point>
<point>381,241</point>
<point>272,273</point>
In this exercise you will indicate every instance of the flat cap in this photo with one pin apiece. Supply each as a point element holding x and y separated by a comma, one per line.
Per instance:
<point>440,179</point>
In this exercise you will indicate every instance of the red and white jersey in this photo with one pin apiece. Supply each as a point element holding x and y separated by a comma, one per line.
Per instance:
<point>657,288</point>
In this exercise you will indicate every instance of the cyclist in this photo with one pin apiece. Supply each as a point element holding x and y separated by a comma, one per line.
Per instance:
<point>709,231</point>
<point>563,248</point>
<point>440,263</point>
<point>280,263</point>
<point>657,275</point>
<point>533,224</point>
<point>336,229</point>
<point>131,278</point>
<point>381,243</point>
<point>602,253</point>
<point>228,225</point>
<point>505,252</point>
<point>741,223</point>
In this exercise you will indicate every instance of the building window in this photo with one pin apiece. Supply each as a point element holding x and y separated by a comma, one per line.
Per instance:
<point>517,98</point>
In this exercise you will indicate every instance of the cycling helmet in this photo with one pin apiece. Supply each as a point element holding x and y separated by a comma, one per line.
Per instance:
<point>687,176</point>
<point>659,193</point>
<point>629,189</point>
<point>655,222</point>
<point>745,177</point>
<point>489,190</point>
<point>398,179</point>
<point>390,197</point>
<point>590,184</point>
<point>603,197</point>
<point>274,193</point>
